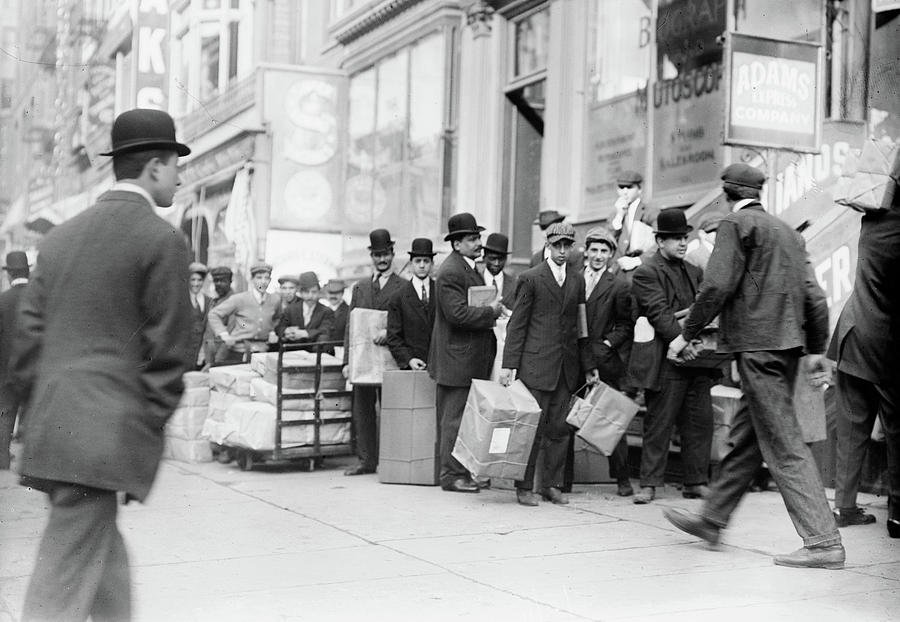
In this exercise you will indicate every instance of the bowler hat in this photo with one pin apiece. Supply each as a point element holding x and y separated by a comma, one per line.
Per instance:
<point>198,268</point>
<point>497,243</point>
<point>548,217</point>
<point>143,129</point>
<point>421,247</point>
<point>380,240</point>
<point>221,272</point>
<point>260,267</point>
<point>461,224</point>
<point>308,280</point>
<point>16,260</point>
<point>672,221</point>
<point>335,286</point>
<point>629,178</point>
<point>741,174</point>
<point>560,231</point>
<point>600,234</point>
<point>288,278</point>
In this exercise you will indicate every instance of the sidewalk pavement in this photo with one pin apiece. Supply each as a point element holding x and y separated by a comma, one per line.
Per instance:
<point>216,543</point>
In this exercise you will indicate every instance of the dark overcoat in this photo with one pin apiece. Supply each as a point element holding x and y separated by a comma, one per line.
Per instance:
<point>198,324</point>
<point>542,334</point>
<point>410,322</point>
<point>103,343</point>
<point>9,314</point>
<point>340,322</point>
<point>463,345</point>
<point>321,321</point>
<point>608,311</point>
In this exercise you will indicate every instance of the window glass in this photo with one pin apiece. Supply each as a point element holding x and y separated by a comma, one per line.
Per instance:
<point>797,20</point>
<point>620,56</point>
<point>209,63</point>
<point>532,35</point>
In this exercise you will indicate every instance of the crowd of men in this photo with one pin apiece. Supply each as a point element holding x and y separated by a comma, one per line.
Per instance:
<point>100,369</point>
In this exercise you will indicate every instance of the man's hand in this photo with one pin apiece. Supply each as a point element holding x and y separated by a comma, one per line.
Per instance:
<point>818,370</point>
<point>628,263</point>
<point>228,340</point>
<point>592,377</point>
<point>417,364</point>
<point>273,338</point>
<point>507,376</point>
<point>497,307</point>
<point>301,333</point>
<point>676,346</point>
<point>381,338</point>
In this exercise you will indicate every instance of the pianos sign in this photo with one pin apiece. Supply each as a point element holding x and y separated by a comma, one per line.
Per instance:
<point>774,93</point>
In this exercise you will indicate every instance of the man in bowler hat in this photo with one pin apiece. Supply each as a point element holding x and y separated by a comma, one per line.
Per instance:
<point>771,309</point>
<point>411,311</point>
<point>496,253</point>
<point>662,286</point>
<point>463,345</point>
<point>373,292</point>
<point>18,271</point>
<point>99,358</point>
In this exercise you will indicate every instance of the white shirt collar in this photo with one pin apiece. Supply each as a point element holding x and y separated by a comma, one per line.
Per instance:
<point>127,186</point>
<point>468,260</point>
<point>598,273</point>
<point>490,279</point>
<point>743,203</point>
<point>19,281</point>
<point>558,271</point>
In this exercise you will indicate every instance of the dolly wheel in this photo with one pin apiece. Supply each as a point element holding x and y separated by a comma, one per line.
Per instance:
<point>245,461</point>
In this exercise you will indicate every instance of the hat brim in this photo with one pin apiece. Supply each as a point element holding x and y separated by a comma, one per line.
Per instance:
<point>388,246</point>
<point>684,231</point>
<point>412,254</point>
<point>147,145</point>
<point>488,249</point>
<point>462,232</point>
<point>553,239</point>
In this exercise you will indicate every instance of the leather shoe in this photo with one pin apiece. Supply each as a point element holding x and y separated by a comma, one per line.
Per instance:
<point>693,524</point>
<point>848,517</point>
<point>483,483</point>
<point>554,495</point>
<point>893,526</point>
<point>829,557</point>
<point>526,497</point>
<point>461,484</point>
<point>625,489</point>
<point>359,469</point>
<point>697,491</point>
<point>645,495</point>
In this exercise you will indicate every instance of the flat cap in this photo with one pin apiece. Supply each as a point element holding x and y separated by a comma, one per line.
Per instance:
<point>221,271</point>
<point>600,234</point>
<point>260,267</point>
<point>560,231</point>
<point>308,280</point>
<point>197,267</point>
<point>629,178</point>
<point>741,174</point>
<point>288,278</point>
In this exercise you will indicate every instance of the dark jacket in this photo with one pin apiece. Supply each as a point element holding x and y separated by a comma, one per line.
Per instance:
<point>760,283</point>
<point>866,341</point>
<point>364,296</point>
<point>508,295</point>
<point>103,364</point>
<point>463,345</point>
<point>321,322</point>
<point>339,329</point>
<point>198,324</point>
<point>215,349</point>
<point>608,310</point>
<point>542,334</point>
<point>9,321</point>
<point>410,322</point>
<point>656,298</point>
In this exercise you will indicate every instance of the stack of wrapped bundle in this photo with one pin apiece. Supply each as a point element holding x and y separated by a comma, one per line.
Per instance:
<point>183,430</point>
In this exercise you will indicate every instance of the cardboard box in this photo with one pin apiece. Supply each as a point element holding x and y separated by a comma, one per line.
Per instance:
<point>408,451</point>
<point>591,466</point>
<point>407,389</point>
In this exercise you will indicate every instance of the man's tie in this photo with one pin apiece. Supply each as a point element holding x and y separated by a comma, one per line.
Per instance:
<point>194,301</point>
<point>376,285</point>
<point>424,294</point>
<point>591,283</point>
<point>625,238</point>
<point>494,282</point>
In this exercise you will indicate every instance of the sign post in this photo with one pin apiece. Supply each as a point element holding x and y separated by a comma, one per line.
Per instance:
<point>775,93</point>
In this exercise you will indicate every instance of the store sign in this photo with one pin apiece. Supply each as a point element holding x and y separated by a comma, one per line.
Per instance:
<point>149,41</point>
<point>774,94</point>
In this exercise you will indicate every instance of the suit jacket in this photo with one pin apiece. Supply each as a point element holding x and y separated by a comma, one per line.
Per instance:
<point>867,336</point>
<point>9,320</point>
<point>761,284</point>
<point>103,365</point>
<point>321,321</point>
<point>463,345</point>
<point>644,214</point>
<point>608,310</point>
<point>410,322</point>
<point>542,334</point>
<point>339,328</point>
<point>655,296</point>
<point>575,260</point>
<point>198,324</point>
<point>364,296</point>
<point>508,295</point>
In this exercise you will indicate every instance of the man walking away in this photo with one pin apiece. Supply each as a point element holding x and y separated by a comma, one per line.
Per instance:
<point>18,271</point>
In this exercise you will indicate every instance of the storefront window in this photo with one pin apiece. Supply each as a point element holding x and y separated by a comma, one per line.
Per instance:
<point>620,47</point>
<point>396,121</point>
<point>797,20</point>
<point>532,35</point>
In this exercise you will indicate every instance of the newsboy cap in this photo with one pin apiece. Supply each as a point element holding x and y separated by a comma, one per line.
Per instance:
<point>629,178</point>
<point>198,268</point>
<point>260,267</point>
<point>560,231</point>
<point>288,278</point>
<point>600,234</point>
<point>221,272</point>
<point>143,129</point>
<point>741,174</point>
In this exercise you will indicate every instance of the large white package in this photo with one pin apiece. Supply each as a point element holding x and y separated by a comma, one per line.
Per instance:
<point>187,422</point>
<point>261,390</point>
<point>252,425</point>
<point>232,378</point>
<point>213,431</point>
<point>219,401</point>
<point>265,364</point>
<point>187,451</point>
<point>195,379</point>
<point>194,396</point>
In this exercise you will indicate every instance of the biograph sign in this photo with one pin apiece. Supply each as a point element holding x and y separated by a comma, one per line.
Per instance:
<point>151,49</point>
<point>774,93</point>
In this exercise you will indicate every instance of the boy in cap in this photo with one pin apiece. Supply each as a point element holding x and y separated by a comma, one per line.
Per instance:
<point>200,305</point>
<point>287,289</point>
<point>662,286</point>
<point>309,320</point>
<point>610,330</point>
<point>411,311</point>
<point>99,359</point>
<point>544,219</point>
<point>632,222</point>
<point>371,293</point>
<point>18,271</point>
<point>334,298</point>
<point>770,309</point>
<point>217,353</point>
<point>542,350</point>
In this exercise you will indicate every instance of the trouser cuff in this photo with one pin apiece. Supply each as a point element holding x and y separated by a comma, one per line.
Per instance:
<point>830,539</point>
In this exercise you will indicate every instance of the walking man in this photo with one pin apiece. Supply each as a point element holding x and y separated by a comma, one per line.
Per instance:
<point>462,343</point>
<point>772,309</point>
<point>18,271</point>
<point>99,357</point>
